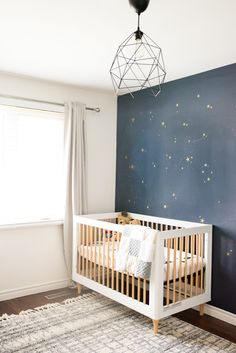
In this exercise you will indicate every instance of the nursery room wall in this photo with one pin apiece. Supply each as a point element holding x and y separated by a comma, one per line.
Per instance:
<point>176,159</point>
<point>31,256</point>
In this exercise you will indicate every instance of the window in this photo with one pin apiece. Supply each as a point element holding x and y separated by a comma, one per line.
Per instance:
<point>31,165</point>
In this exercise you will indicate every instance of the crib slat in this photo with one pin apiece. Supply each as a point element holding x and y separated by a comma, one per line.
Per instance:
<point>108,261</point>
<point>191,267</point>
<point>165,227</point>
<point>144,291</point>
<point>103,256</point>
<point>174,269</point>
<point>139,289</point>
<point>122,282</point>
<point>95,253</point>
<point>127,284</point>
<point>180,265</point>
<point>168,273</point>
<point>83,239</point>
<point>79,256</point>
<point>99,255</point>
<point>132,286</point>
<point>202,256</point>
<point>112,275</point>
<point>173,239</point>
<point>87,247</point>
<point>117,281</point>
<point>91,251</point>
<point>197,261</point>
<point>186,265</point>
<point>117,272</point>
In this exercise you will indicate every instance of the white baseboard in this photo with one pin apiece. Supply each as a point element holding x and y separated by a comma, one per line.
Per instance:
<point>220,314</point>
<point>34,289</point>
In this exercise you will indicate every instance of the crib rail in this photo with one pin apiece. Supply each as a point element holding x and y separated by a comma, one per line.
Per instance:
<point>184,276</point>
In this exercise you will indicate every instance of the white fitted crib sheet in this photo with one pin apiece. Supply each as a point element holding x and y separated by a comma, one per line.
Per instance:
<point>194,263</point>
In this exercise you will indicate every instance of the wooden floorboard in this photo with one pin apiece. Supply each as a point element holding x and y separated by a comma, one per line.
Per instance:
<point>209,323</point>
<point>206,322</point>
<point>15,306</point>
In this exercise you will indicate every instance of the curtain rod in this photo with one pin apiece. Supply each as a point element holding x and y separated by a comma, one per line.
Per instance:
<point>97,110</point>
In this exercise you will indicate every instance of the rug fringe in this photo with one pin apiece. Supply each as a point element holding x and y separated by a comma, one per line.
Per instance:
<point>7,317</point>
<point>48,306</point>
<point>79,298</point>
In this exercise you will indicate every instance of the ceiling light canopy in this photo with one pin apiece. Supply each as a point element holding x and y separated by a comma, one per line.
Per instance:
<point>138,63</point>
<point>139,5</point>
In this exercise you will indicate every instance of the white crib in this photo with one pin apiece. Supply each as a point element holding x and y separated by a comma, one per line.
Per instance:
<point>181,272</point>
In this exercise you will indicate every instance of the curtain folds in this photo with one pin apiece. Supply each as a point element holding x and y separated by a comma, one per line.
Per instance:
<point>76,171</point>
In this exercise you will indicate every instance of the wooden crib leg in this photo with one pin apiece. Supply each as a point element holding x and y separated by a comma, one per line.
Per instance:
<point>201,307</point>
<point>79,288</point>
<point>155,326</point>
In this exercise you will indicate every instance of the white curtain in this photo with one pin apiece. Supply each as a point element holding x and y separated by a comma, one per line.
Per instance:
<point>76,171</point>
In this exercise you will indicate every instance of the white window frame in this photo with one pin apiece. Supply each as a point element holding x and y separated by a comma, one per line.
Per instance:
<point>34,105</point>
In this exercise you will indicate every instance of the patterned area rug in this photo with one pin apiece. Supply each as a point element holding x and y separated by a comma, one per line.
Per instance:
<point>93,323</point>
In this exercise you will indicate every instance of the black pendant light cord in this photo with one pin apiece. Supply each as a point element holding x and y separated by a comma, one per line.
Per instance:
<point>138,33</point>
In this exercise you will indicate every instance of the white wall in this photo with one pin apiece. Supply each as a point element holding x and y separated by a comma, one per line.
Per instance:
<point>31,258</point>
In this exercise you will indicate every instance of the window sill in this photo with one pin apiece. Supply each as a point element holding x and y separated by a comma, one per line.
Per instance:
<point>30,224</point>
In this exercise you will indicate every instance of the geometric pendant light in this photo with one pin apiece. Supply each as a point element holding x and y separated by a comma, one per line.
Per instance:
<point>138,63</point>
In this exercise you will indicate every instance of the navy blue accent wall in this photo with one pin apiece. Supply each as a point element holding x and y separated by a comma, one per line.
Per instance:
<point>176,158</point>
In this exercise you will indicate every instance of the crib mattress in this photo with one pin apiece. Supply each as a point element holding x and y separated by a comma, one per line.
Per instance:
<point>192,265</point>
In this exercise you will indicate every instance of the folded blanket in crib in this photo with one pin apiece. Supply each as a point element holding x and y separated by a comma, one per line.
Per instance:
<point>136,251</point>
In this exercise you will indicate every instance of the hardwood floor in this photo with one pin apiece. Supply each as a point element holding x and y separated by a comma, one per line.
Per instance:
<point>208,323</point>
<point>15,306</point>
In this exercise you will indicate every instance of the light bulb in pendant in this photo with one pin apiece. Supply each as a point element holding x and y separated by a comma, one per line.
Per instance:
<point>139,49</point>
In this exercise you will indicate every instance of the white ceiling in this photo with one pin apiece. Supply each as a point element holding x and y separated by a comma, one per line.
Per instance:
<point>74,41</point>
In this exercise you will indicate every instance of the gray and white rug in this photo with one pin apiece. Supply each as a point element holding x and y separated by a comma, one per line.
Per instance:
<point>94,324</point>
